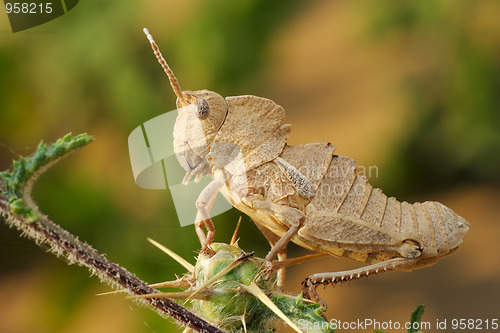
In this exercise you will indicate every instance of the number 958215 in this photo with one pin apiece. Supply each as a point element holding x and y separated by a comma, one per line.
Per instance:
<point>474,324</point>
<point>28,8</point>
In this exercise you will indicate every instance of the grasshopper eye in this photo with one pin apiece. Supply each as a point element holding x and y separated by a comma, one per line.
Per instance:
<point>202,108</point>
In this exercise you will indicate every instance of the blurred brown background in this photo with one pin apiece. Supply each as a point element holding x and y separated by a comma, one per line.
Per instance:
<point>410,87</point>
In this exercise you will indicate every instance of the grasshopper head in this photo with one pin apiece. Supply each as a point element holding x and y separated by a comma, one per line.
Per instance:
<point>201,114</point>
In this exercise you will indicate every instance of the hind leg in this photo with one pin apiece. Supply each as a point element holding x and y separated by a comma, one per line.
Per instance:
<point>310,283</point>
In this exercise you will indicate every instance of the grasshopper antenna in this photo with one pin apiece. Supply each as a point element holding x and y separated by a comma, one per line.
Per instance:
<point>173,80</point>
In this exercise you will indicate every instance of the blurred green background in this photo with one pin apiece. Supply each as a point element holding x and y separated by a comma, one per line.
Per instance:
<point>412,88</point>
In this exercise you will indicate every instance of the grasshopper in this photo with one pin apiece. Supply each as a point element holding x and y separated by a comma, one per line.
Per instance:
<point>305,194</point>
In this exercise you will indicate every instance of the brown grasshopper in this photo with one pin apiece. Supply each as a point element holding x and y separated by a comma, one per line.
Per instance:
<point>305,194</point>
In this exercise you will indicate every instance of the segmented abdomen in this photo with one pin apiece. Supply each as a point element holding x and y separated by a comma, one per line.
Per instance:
<point>348,210</point>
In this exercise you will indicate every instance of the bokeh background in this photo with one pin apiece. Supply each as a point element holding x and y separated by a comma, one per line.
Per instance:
<point>411,87</point>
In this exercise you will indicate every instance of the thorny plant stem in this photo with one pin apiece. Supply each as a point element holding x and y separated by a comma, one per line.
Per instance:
<point>46,233</point>
<point>18,210</point>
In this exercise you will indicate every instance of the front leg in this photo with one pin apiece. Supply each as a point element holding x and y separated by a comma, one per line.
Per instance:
<point>204,204</point>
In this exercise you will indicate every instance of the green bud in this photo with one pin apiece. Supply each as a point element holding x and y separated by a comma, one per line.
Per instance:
<point>233,309</point>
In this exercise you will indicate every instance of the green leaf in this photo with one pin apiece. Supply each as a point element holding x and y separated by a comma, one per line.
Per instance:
<point>26,168</point>
<point>416,317</point>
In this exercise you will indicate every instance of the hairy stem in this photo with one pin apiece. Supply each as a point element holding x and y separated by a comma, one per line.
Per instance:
<point>47,233</point>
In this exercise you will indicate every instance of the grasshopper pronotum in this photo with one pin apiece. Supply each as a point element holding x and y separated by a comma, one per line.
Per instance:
<point>304,194</point>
